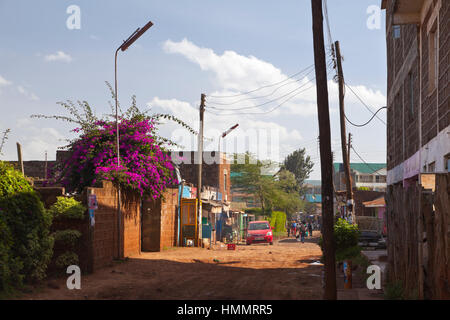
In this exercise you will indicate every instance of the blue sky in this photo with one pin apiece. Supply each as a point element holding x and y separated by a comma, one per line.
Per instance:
<point>193,47</point>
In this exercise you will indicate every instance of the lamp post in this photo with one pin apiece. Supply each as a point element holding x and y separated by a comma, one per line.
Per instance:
<point>124,46</point>
<point>224,134</point>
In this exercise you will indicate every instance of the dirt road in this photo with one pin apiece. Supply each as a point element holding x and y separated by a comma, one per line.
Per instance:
<point>281,271</point>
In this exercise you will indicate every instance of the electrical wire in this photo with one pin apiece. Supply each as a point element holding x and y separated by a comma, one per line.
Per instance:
<point>362,125</point>
<point>265,112</point>
<point>264,96</point>
<point>367,107</point>
<point>374,171</point>
<point>262,104</point>
<point>266,86</point>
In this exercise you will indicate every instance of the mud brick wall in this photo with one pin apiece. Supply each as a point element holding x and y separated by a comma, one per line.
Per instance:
<point>159,221</point>
<point>169,219</point>
<point>104,243</point>
<point>131,206</point>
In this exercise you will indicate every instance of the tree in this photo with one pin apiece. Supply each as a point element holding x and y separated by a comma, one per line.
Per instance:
<point>145,165</point>
<point>275,192</point>
<point>249,179</point>
<point>300,165</point>
<point>3,139</point>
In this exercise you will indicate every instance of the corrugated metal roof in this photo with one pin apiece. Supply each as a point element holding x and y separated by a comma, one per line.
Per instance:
<point>361,167</point>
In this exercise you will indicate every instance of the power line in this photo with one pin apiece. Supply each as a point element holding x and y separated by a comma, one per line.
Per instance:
<point>266,86</point>
<point>374,171</point>
<point>265,112</point>
<point>262,104</point>
<point>367,107</point>
<point>264,96</point>
<point>362,125</point>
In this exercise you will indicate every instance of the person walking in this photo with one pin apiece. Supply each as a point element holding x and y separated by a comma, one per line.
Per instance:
<point>310,229</point>
<point>288,229</point>
<point>302,232</point>
<point>294,228</point>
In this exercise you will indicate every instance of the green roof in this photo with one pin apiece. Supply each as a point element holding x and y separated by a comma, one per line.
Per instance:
<point>367,168</point>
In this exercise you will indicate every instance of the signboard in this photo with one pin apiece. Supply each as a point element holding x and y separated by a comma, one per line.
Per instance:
<point>93,202</point>
<point>93,205</point>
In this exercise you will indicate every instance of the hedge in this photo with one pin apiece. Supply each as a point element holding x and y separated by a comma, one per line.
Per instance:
<point>26,247</point>
<point>278,221</point>
<point>67,208</point>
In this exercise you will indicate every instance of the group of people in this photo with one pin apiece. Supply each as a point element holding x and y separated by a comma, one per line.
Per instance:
<point>300,230</point>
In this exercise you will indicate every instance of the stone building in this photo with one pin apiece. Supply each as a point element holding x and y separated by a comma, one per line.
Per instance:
<point>418,146</point>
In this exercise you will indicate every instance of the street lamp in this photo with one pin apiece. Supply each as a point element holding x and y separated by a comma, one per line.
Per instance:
<point>225,133</point>
<point>124,46</point>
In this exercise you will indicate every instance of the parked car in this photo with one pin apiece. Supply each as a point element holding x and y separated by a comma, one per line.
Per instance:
<point>371,239</point>
<point>259,232</point>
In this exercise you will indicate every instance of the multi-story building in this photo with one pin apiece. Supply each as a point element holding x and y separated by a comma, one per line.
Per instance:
<point>418,144</point>
<point>369,176</point>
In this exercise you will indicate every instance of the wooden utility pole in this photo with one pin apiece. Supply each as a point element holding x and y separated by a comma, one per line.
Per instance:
<point>45,167</point>
<point>326,161</point>
<point>350,178</point>
<point>200,163</point>
<point>19,158</point>
<point>345,157</point>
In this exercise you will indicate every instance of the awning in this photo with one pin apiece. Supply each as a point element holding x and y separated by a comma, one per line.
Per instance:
<point>377,203</point>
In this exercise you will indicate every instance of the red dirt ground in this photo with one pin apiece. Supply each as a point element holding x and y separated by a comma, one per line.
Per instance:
<point>281,271</point>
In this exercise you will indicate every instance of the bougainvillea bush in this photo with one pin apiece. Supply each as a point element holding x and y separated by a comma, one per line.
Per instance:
<point>145,166</point>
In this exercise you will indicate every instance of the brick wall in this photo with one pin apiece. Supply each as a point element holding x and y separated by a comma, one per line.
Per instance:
<point>104,245</point>
<point>408,66</point>
<point>160,221</point>
<point>444,59</point>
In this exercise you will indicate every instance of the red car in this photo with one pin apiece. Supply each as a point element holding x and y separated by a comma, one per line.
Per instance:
<point>259,232</point>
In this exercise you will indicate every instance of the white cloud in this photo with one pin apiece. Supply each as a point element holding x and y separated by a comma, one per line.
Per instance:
<point>257,134</point>
<point>58,56</point>
<point>27,94</point>
<point>4,82</point>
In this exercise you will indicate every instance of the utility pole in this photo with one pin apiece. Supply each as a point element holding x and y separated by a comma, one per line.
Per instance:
<point>325,151</point>
<point>345,157</point>
<point>45,168</point>
<point>200,163</point>
<point>351,183</point>
<point>19,158</point>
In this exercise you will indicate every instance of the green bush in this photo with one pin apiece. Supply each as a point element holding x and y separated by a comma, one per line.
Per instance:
<point>346,237</point>
<point>278,221</point>
<point>68,208</point>
<point>12,181</point>
<point>10,266</point>
<point>29,224</point>
<point>67,237</point>
<point>346,234</point>
<point>66,259</point>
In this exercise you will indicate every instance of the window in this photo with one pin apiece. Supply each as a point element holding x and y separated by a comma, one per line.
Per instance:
<point>447,162</point>
<point>380,179</point>
<point>432,59</point>
<point>225,182</point>
<point>396,31</point>
<point>411,95</point>
<point>432,167</point>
